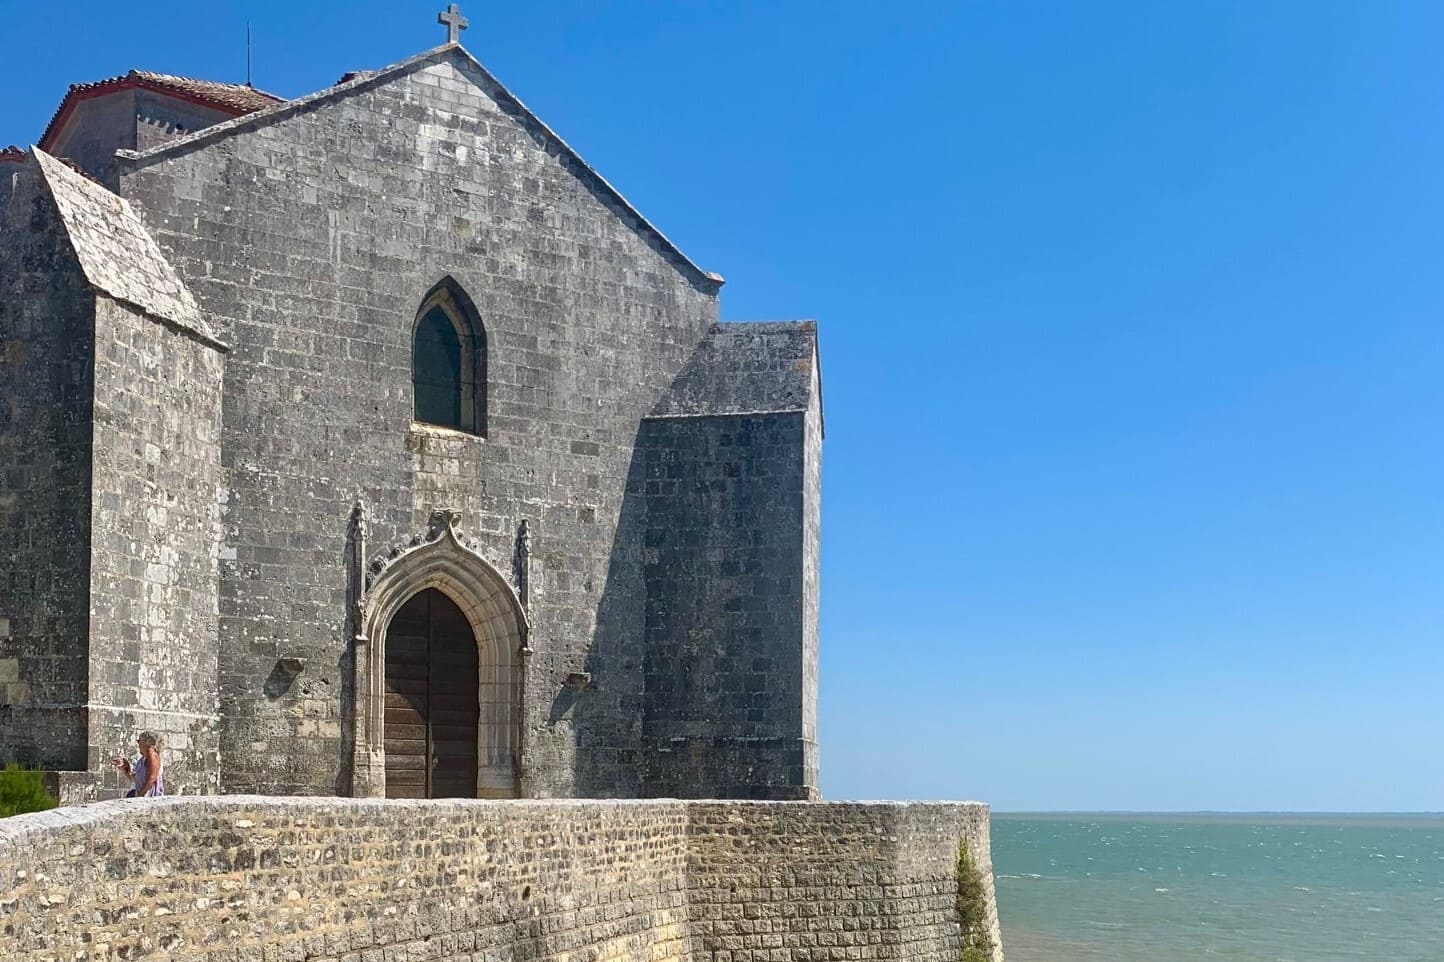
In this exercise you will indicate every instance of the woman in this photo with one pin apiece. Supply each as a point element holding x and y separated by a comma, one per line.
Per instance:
<point>148,771</point>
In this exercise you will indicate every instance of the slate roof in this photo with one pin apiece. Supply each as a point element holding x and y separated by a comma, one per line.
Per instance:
<point>746,368</point>
<point>234,99</point>
<point>12,154</point>
<point>117,254</point>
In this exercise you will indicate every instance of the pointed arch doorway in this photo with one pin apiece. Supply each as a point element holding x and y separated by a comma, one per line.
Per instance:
<point>432,700</point>
<point>437,594</point>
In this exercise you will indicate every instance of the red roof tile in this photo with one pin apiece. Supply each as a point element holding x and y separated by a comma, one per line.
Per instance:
<point>234,99</point>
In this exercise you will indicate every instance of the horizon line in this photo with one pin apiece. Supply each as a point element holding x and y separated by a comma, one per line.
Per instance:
<point>1211,811</point>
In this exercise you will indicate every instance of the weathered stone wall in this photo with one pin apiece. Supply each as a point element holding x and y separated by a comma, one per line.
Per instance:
<point>811,572</point>
<point>98,127</point>
<point>160,118</point>
<point>325,880</point>
<point>312,240</point>
<point>723,711</point>
<point>832,881</point>
<point>12,169</point>
<point>668,634</point>
<point>153,604</point>
<point>126,119</point>
<point>47,316</point>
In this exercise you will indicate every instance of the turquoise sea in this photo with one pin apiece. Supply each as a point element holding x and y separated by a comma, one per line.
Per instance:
<point>1220,888</point>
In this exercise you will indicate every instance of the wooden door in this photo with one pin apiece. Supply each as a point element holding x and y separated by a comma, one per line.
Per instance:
<point>432,708</point>
<point>408,689</point>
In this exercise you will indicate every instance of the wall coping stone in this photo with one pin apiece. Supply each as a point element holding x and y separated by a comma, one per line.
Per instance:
<point>17,827</point>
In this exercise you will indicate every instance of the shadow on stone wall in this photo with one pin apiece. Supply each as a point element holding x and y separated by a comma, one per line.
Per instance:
<point>698,664</point>
<point>606,716</point>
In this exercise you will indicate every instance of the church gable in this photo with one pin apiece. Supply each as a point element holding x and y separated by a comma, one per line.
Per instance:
<point>448,72</point>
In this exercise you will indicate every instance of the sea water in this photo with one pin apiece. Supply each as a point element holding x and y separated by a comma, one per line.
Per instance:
<point>1220,888</point>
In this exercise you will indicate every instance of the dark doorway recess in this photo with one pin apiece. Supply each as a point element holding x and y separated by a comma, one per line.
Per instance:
<point>432,712</point>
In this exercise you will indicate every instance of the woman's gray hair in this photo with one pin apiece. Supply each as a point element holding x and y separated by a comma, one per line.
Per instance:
<point>148,738</point>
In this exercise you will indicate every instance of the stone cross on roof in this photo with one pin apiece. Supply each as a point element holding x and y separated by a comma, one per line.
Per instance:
<point>454,22</point>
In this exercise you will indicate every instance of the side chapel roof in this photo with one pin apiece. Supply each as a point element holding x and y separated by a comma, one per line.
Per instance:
<point>747,368</point>
<point>234,99</point>
<point>357,81</point>
<point>116,253</point>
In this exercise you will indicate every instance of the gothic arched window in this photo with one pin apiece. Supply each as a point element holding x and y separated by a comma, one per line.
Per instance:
<point>448,361</point>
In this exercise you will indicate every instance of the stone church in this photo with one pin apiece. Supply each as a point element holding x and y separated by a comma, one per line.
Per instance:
<point>371,443</point>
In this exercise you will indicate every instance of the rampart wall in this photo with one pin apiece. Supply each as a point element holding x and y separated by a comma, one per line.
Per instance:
<point>251,879</point>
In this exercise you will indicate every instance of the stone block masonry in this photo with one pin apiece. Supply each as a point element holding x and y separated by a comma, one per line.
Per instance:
<point>827,881</point>
<point>47,321</point>
<point>312,241</point>
<point>209,441</point>
<point>723,701</point>
<point>108,478</point>
<point>251,879</point>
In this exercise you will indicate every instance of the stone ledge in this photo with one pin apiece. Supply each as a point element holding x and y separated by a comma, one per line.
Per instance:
<point>69,788</point>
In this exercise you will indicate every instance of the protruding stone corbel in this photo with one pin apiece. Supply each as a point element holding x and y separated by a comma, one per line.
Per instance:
<point>444,520</point>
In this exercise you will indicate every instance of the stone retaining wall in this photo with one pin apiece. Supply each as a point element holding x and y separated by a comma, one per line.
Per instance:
<point>251,879</point>
<point>831,881</point>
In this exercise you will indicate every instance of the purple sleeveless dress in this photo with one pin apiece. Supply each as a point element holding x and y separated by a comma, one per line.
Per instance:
<point>156,790</point>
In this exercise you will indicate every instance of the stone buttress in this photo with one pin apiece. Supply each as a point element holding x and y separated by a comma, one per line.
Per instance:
<point>108,614</point>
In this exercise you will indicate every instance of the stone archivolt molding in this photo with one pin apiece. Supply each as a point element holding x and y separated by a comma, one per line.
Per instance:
<point>444,560</point>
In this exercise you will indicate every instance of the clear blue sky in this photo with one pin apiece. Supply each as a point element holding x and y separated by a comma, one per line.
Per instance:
<point>1131,332</point>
